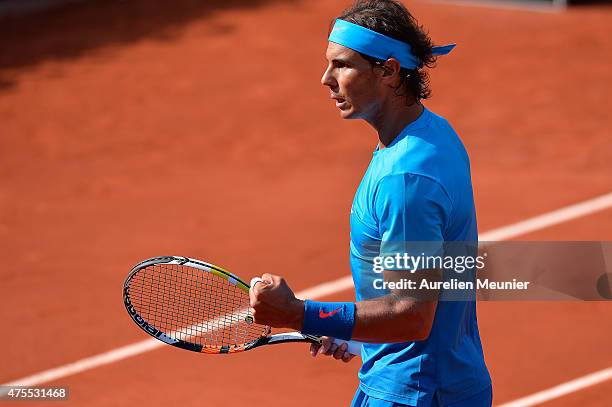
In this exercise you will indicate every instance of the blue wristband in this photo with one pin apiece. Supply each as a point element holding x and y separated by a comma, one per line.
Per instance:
<point>335,319</point>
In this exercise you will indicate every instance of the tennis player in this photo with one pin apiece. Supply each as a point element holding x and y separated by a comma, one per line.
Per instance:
<point>420,350</point>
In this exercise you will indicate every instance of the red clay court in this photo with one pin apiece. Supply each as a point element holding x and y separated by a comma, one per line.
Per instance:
<point>143,128</point>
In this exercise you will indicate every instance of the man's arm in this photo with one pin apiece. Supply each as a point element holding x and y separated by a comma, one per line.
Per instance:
<point>401,316</point>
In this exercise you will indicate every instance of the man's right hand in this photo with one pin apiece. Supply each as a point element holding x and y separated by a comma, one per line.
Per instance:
<point>329,348</point>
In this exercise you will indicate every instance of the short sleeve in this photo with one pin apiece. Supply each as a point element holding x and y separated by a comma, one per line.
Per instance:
<point>411,209</point>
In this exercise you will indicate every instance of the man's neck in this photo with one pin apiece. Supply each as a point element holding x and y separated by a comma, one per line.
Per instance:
<point>391,122</point>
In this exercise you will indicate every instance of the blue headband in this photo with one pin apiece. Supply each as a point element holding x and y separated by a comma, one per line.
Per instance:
<point>377,45</point>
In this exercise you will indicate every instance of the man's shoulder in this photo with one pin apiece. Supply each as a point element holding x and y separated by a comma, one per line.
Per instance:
<point>432,148</point>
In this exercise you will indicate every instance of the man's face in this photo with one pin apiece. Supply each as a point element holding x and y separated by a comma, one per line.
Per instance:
<point>352,82</point>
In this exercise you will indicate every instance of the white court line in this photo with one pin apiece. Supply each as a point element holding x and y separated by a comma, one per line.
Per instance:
<point>549,219</point>
<point>89,363</point>
<point>555,6</point>
<point>344,283</point>
<point>562,389</point>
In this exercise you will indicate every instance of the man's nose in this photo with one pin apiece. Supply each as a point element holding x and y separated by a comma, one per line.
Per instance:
<point>327,79</point>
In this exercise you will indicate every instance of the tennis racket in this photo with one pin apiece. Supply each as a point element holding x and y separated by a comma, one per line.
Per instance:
<point>200,307</point>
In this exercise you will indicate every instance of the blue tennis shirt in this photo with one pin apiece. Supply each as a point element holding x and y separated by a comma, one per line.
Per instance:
<point>418,189</point>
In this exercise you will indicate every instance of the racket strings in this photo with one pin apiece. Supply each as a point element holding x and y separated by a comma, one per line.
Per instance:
<point>184,304</point>
<point>194,305</point>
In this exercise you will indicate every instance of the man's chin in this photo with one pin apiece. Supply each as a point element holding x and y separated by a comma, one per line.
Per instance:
<point>348,114</point>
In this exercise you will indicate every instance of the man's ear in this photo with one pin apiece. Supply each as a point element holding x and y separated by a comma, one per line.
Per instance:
<point>391,67</point>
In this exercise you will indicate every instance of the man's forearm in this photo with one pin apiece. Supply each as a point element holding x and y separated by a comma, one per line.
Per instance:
<point>393,319</point>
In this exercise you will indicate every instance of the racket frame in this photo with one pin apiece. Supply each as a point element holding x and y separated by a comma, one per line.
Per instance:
<point>167,337</point>
<point>266,337</point>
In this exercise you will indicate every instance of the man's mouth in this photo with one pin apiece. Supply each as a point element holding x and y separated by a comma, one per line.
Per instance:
<point>339,101</point>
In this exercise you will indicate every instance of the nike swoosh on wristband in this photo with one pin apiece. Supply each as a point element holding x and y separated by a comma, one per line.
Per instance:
<point>328,314</point>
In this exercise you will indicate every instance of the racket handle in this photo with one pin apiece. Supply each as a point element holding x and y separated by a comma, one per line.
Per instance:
<point>354,347</point>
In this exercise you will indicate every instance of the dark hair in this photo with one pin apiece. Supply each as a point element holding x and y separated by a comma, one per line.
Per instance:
<point>391,18</point>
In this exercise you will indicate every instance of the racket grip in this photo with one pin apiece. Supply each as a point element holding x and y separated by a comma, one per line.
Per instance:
<point>354,347</point>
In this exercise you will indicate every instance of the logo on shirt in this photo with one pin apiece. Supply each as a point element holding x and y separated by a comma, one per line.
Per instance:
<point>324,315</point>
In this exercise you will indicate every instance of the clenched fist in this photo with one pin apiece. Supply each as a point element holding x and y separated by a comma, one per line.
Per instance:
<point>274,303</point>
